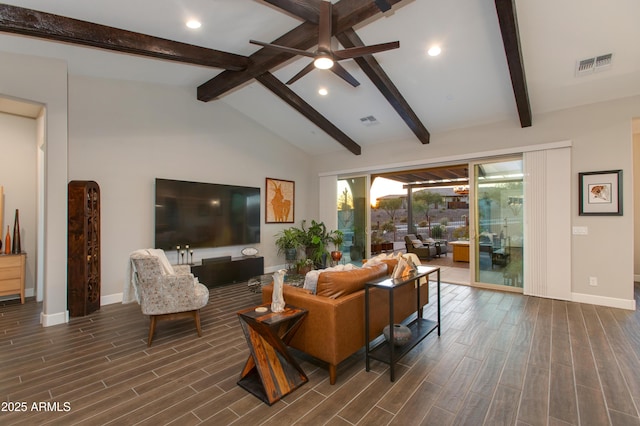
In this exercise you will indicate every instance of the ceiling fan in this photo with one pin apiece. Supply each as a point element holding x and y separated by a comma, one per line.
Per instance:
<point>324,57</point>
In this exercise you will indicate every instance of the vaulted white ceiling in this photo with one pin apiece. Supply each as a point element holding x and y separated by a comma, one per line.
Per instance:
<point>468,84</point>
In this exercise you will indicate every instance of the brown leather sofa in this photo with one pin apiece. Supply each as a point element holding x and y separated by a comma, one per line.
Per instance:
<point>334,327</point>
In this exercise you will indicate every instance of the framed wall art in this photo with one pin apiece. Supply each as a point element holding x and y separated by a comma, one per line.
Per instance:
<point>600,193</point>
<point>280,201</point>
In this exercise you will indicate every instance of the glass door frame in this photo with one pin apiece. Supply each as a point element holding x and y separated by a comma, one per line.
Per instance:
<point>365,233</point>
<point>473,224</point>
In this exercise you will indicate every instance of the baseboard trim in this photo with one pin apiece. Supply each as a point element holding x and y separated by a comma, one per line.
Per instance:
<point>54,319</point>
<point>272,269</point>
<point>610,302</point>
<point>28,292</point>
<point>110,299</point>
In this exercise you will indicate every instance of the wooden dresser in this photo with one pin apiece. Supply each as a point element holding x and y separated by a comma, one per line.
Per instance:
<point>12,270</point>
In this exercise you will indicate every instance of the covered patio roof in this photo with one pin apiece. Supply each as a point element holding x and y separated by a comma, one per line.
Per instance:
<point>430,177</point>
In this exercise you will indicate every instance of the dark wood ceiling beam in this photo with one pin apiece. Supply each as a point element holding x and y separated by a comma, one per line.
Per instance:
<point>283,92</point>
<point>18,20</point>
<point>383,5</point>
<point>309,10</point>
<point>346,14</point>
<point>373,70</point>
<point>506,10</point>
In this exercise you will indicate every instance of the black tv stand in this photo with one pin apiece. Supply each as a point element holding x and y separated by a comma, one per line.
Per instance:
<point>227,271</point>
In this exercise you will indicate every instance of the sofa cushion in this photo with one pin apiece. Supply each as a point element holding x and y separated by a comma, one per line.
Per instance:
<point>335,284</point>
<point>416,243</point>
<point>311,279</point>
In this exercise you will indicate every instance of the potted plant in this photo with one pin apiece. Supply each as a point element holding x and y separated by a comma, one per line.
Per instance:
<point>315,239</point>
<point>337,238</point>
<point>304,265</point>
<point>288,241</point>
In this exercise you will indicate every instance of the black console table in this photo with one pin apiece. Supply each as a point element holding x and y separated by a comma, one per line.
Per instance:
<point>420,328</point>
<point>228,270</point>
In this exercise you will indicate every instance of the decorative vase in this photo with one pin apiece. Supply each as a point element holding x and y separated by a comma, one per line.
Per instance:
<point>7,242</point>
<point>277,297</point>
<point>336,256</point>
<point>401,334</point>
<point>16,249</point>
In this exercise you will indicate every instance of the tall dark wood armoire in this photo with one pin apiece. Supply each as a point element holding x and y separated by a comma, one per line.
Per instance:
<point>83,250</point>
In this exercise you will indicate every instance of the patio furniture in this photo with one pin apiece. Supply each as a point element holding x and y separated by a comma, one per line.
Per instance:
<point>441,245</point>
<point>419,248</point>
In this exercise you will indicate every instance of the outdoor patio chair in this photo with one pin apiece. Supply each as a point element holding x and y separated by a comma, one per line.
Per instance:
<point>419,248</point>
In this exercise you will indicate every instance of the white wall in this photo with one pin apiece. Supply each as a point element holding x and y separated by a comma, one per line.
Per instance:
<point>602,140</point>
<point>636,197</point>
<point>18,176</point>
<point>123,135</point>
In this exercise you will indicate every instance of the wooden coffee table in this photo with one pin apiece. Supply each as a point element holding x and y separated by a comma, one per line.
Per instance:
<point>271,372</point>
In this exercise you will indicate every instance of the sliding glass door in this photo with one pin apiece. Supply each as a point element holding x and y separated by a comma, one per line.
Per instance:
<point>352,217</point>
<point>497,236</point>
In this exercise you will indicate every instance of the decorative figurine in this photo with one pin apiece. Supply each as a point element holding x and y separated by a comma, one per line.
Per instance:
<point>277,298</point>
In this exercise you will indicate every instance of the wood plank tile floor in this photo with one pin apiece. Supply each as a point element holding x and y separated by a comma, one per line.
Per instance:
<point>502,359</point>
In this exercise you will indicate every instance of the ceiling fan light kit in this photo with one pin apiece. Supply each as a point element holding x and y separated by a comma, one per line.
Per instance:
<point>323,62</point>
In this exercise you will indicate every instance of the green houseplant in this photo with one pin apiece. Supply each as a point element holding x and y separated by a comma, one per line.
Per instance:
<point>337,238</point>
<point>315,238</point>
<point>302,266</point>
<point>288,241</point>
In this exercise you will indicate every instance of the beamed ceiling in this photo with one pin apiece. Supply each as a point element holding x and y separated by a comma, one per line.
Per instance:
<point>479,77</point>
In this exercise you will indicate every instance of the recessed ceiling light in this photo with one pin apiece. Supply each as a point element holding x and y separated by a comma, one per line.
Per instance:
<point>323,92</point>
<point>434,51</point>
<point>193,24</point>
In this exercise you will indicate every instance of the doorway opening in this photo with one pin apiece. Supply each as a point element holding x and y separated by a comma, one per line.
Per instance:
<point>429,204</point>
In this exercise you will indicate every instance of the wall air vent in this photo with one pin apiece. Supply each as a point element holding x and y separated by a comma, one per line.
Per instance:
<point>369,121</point>
<point>595,64</point>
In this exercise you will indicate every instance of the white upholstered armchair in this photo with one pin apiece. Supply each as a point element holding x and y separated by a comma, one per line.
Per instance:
<point>165,293</point>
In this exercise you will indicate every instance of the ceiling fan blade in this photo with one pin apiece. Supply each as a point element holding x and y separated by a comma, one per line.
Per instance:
<point>339,70</point>
<point>286,49</point>
<point>306,70</point>
<point>355,52</point>
<point>324,27</point>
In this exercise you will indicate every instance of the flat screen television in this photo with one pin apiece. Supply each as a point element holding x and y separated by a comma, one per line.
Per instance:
<point>205,214</point>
